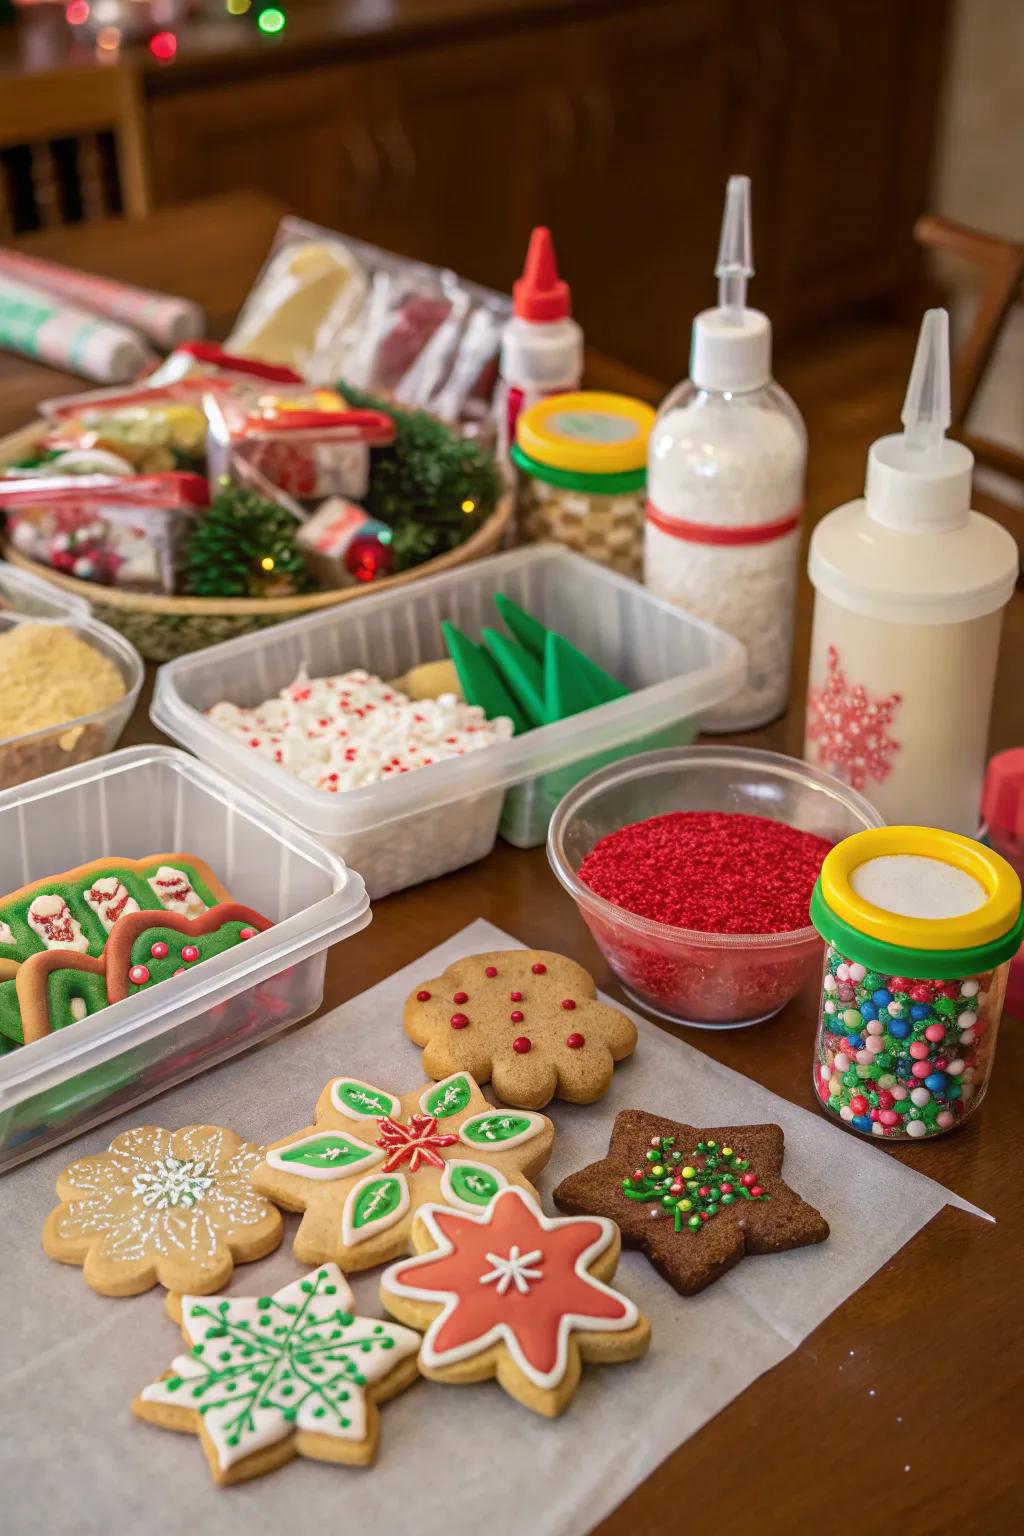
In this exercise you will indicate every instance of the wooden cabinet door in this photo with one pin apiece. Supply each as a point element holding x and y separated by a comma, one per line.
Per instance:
<point>660,115</point>
<point>299,137</point>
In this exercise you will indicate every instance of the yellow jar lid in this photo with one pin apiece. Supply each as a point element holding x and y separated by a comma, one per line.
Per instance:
<point>593,433</point>
<point>961,894</point>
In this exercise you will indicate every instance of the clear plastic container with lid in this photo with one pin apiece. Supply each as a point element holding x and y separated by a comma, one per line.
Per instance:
<point>725,485</point>
<point>920,927</point>
<point>582,460</point>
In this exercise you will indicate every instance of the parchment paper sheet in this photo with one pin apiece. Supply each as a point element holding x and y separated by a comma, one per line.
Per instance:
<point>452,1460</point>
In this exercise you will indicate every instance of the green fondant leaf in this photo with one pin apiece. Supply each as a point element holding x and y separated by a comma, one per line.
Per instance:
<point>327,1151</point>
<point>362,1100</point>
<point>448,1098</point>
<point>486,1130</point>
<point>475,1184</point>
<point>378,1199</point>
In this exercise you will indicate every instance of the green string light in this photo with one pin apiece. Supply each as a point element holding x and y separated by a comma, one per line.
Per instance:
<point>271,20</point>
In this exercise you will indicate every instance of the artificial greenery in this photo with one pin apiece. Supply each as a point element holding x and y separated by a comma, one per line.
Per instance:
<point>245,547</point>
<point>432,487</point>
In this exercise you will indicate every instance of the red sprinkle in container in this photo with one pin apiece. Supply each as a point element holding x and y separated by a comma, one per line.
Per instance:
<point>693,868</point>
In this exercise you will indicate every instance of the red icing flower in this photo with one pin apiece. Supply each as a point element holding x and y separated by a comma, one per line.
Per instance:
<point>414,1143</point>
<point>512,1275</point>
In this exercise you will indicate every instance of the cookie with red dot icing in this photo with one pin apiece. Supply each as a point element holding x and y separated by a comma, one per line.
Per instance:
<point>695,1200</point>
<point>526,1020</point>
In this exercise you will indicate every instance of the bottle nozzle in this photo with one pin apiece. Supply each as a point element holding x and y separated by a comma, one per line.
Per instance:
<point>735,262</point>
<point>926,410</point>
<point>540,294</point>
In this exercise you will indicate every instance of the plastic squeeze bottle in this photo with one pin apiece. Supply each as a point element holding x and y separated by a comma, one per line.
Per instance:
<point>725,485</point>
<point>910,590</point>
<point>541,346</point>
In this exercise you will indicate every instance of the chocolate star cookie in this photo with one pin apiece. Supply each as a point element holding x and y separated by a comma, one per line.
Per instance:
<point>694,1200</point>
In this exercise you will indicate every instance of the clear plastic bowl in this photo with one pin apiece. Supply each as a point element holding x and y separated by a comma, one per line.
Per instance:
<point>25,599</point>
<point>705,979</point>
<point>148,800</point>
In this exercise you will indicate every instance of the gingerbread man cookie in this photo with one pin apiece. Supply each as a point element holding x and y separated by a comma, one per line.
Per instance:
<point>297,1373</point>
<point>694,1200</point>
<point>361,1172</point>
<point>508,1292</point>
<point>525,1019</point>
<point>173,1207</point>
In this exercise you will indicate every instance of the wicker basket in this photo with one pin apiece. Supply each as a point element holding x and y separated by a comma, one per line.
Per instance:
<point>162,628</point>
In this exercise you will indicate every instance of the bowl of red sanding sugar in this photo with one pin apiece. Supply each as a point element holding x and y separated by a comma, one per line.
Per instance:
<point>693,868</point>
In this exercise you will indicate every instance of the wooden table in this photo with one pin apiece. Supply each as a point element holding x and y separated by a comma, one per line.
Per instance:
<point>899,1411</point>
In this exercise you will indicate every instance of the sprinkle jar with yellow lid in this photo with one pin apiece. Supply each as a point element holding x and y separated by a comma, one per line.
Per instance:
<point>582,460</point>
<point>920,928</point>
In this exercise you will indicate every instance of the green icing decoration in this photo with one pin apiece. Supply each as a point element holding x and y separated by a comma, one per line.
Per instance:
<point>377,1200</point>
<point>64,985</point>
<point>10,1013</point>
<point>675,1183</point>
<point>475,1184</point>
<point>486,1130</point>
<point>362,1100</point>
<point>449,1098</point>
<point>330,1150</point>
<point>208,945</point>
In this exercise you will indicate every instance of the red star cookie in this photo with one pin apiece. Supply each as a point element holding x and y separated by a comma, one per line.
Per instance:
<point>508,1292</point>
<point>694,1200</point>
<point>525,1019</point>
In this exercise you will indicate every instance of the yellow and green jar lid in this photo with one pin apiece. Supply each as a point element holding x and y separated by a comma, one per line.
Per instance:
<point>916,901</point>
<point>586,441</point>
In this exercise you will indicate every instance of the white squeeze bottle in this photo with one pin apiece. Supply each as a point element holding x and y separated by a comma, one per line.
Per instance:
<point>725,485</point>
<point>910,591</point>
<point>542,345</point>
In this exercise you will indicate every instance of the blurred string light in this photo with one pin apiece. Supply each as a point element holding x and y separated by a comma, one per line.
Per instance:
<point>108,39</point>
<point>77,13</point>
<point>271,20</point>
<point>163,46</point>
<point>237,7</point>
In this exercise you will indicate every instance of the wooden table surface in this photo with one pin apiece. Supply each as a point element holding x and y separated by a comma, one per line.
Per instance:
<point>902,1410</point>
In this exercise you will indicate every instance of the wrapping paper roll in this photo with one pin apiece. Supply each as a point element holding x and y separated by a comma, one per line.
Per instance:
<point>163,318</point>
<point>38,325</point>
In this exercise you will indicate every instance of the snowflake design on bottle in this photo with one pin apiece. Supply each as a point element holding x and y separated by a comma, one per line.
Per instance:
<point>172,1206</point>
<point>851,730</point>
<point>262,1369</point>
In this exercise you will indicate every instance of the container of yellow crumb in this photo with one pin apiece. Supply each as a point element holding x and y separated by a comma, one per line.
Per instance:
<point>67,687</point>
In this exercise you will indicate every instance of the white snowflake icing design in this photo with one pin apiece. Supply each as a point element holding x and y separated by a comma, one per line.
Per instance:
<point>519,1269</point>
<point>263,1368</point>
<point>143,1198</point>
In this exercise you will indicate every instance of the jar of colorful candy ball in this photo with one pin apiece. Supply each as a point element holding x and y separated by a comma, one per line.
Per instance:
<point>920,928</point>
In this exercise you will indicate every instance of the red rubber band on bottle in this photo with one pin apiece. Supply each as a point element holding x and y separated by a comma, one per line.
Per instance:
<point>704,533</point>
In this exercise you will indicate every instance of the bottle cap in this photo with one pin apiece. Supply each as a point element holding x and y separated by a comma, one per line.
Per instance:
<point>918,480</point>
<point>732,345</point>
<point>587,432</point>
<point>1002,799</point>
<point>540,294</point>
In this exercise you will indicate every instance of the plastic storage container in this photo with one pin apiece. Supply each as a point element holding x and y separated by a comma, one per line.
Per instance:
<point>424,824</point>
<point>921,926</point>
<point>582,462</point>
<point>141,801</point>
<point>76,740</point>
<point>704,979</point>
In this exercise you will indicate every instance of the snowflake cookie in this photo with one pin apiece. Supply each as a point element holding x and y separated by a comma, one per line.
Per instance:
<point>507,1292</point>
<point>272,1377</point>
<point>525,1019</point>
<point>362,1171</point>
<point>174,1207</point>
<point>695,1200</point>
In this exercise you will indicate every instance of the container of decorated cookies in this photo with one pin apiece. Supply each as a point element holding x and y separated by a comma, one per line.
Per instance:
<point>67,683</point>
<point>153,921</point>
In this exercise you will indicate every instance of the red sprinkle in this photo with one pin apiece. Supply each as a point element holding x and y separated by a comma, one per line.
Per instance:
<point>423,997</point>
<point>458,1021</point>
<point>711,871</point>
<point>521,1045</point>
<point>574,1041</point>
<point>516,997</point>
<point>516,1016</point>
<point>568,1004</point>
<point>539,969</point>
<point>189,952</point>
<point>461,997</point>
<point>491,970</point>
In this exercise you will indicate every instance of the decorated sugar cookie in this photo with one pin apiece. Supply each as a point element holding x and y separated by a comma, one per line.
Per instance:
<point>505,1291</point>
<point>694,1200</point>
<point>297,1373</point>
<point>174,1207</point>
<point>372,1158</point>
<point>526,1020</point>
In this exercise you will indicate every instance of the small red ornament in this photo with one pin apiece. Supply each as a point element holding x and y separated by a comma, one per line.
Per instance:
<point>491,970</point>
<point>516,1016</point>
<point>704,1191</point>
<point>458,1021</point>
<point>726,1189</point>
<point>747,1180</point>
<point>516,997</point>
<point>568,1004</point>
<point>522,1045</point>
<point>461,997</point>
<point>755,1190</point>
<point>366,557</point>
<point>539,969</point>
<point>638,1176</point>
<point>189,953</point>
<point>575,1041</point>
<point>158,950</point>
<point>423,997</point>
<point>138,975</point>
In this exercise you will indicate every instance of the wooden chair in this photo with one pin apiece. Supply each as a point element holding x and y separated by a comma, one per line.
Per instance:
<point>72,146</point>
<point>1002,266</point>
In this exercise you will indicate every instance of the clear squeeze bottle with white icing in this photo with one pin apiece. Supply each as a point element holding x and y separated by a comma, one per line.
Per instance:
<point>910,591</point>
<point>725,485</point>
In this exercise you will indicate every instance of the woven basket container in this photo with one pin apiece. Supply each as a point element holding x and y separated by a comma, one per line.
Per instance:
<point>162,627</point>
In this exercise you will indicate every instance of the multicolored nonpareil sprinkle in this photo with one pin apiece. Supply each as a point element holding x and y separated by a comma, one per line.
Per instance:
<point>692,1189</point>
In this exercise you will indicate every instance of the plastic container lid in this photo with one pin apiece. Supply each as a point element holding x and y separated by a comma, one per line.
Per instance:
<point>587,433</point>
<point>1002,799</point>
<point>916,901</point>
